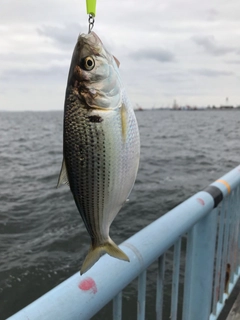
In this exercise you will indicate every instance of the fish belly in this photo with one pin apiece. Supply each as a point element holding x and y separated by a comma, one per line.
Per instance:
<point>102,161</point>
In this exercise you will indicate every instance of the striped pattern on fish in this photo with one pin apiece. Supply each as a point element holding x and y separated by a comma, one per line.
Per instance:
<point>101,144</point>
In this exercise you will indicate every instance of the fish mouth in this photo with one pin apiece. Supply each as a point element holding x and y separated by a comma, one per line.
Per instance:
<point>91,42</point>
<point>92,36</point>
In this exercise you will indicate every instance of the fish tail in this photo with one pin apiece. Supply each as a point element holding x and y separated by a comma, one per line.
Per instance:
<point>97,251</point>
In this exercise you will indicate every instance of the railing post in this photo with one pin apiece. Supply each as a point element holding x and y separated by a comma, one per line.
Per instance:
<point>199,271</point>
<point>141,295</point>
<point>160,280</point>
<point>117,306</point>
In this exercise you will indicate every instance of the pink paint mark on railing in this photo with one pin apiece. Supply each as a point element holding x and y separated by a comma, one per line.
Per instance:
<point>88,284</point>
<point>201,201</point>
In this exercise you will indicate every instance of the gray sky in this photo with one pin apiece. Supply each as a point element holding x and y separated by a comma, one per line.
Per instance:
<point>188,50</point>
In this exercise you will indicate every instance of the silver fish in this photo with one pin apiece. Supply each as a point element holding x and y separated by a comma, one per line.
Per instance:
<point>101,143</point>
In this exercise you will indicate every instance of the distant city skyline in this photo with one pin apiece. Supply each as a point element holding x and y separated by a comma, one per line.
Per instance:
<point>188,51</point>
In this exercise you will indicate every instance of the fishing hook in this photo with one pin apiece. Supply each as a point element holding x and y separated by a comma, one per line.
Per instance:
<point>91,23</point>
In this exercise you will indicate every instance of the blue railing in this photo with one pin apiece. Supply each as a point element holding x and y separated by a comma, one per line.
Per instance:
<point>209,224</point>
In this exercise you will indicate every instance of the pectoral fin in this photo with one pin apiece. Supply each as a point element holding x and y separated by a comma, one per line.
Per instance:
<point>124,121</point>
<point>117,61</point>
<point>63,178</point>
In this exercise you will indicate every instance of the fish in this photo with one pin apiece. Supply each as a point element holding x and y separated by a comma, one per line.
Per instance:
<point>101,143</point>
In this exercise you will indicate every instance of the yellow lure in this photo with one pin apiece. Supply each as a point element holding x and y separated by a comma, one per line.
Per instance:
<point>91,7</point>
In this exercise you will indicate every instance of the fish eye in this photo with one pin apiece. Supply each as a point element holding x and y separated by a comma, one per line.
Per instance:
<point>88,63</point>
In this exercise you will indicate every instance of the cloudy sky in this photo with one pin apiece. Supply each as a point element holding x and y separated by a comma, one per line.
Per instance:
<point>188,50</point>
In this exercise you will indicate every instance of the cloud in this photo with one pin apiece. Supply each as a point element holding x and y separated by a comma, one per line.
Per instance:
<point>55,71</point>
<point>184,49</point>
<point>64,36</point>
<point>212,14</point>
<point>233,62</point>
<point>160,55</point>
<point>211,73</point>
<point>172,76</point>
<point>210,46</point>
<point>26,60</point>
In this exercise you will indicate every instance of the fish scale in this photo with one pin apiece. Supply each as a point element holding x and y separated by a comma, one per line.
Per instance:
<point>101,144</point>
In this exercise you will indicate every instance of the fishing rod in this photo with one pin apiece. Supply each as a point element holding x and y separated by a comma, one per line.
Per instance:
<point>91,10</point>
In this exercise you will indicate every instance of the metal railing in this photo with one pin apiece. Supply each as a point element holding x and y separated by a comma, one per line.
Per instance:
<point>208,223</point>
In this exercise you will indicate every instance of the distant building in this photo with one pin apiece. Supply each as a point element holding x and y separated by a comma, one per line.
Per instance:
<point>175,105</point>
<point>226,107</point>
<point>138,107</point>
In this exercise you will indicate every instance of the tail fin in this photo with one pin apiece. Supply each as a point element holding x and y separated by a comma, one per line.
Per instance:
<point>95,253</point>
